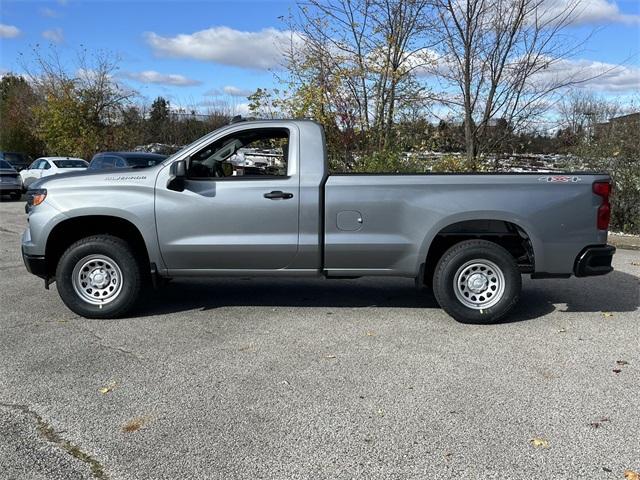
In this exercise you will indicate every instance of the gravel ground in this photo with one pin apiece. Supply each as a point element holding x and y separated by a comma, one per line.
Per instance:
<point>293,379</point>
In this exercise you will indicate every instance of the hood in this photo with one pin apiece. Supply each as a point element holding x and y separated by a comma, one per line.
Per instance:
<point>96,175</point>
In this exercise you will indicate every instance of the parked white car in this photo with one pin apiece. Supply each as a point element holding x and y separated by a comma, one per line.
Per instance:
<point>47,166</point>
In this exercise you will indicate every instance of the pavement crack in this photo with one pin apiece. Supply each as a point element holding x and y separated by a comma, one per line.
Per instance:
<point>46,431</point>
<point>101,342</point>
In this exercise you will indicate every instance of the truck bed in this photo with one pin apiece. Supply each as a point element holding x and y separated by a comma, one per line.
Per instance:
<point>384,224</point>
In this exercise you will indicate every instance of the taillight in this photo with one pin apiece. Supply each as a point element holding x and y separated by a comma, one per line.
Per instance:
<point>603,190</point>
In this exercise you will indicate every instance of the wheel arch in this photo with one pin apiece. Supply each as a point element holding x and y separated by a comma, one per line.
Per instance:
<point>510,233</point>
<point>73,229</point>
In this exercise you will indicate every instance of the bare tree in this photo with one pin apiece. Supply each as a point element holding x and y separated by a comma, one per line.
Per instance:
<point>81,104</point>
<point>501,59</point>
<point>580,111</point>
<point>353,64</point>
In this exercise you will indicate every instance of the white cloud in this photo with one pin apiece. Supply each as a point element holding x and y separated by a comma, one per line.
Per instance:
<point>594,75</point>
<point>260,50</point>
<point>230,90</point>
<point>237,92</point>
<point>8,31</point>
<point>47,12</point>
<point>151,76</point>
<point>55,35</point>
<point>593,11</point>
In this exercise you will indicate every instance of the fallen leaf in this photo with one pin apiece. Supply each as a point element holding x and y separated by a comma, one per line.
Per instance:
<point>134,424</point>
<point>371,334</point>
<point>607,314</point>
<point>381,412</point>
<point>329,356</point>
<point>562,330</point>
<point>635,264</point>
<point>631,475</point>
<point>598,423</point>
<point>608,470</point>
<point>616,370</point>
<point>539,442</point>
<point>107,388</point>
<point>622,362</point>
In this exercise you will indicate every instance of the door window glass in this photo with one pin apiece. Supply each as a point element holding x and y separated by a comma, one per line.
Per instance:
<point>256,153</point>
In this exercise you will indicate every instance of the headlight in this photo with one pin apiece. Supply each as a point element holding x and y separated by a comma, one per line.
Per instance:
<point>36,196</point>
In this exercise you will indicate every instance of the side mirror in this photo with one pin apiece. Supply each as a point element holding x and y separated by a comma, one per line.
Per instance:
<point>178,173</point>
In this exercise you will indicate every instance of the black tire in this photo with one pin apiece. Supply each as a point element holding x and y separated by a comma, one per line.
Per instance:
<point>16,196</point>
<point>496,288</point>
<point>122,268</point>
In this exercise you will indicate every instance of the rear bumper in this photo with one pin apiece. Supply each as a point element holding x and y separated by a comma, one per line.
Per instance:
<point>35,264</point>
<point>594,260</point>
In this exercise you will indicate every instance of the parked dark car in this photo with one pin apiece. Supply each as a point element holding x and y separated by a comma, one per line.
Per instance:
<point>104,160</point>
<point>17,160</point>
<point>10,183</point>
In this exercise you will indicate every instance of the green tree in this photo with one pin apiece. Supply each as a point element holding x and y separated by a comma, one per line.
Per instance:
<point>63,126</point>
<point>159,119</point>
<point>80,105</point>
<point>17,100</point>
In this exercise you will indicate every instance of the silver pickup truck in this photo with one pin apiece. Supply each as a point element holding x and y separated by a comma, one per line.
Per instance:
<point>256,199</point>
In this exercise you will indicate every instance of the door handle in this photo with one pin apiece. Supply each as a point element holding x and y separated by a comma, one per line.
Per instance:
<point>276,194</point>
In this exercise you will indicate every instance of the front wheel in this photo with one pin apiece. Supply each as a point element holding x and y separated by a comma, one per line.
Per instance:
<point>99,277</point>
<point>477,281</point>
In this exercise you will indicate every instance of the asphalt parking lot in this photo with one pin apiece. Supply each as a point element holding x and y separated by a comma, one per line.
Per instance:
<point>296,379</point>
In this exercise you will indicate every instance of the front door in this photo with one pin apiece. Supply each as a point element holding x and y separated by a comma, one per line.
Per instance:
<point>239,208</point>
<point>33,173</point>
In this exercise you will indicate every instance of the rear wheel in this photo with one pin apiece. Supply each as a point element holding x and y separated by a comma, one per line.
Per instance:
<point>477,281</point>
<point>99,277</point>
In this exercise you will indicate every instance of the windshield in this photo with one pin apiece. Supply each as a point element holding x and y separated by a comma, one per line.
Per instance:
<point>144,161</point>
<point>5,164</point>
<point>70,163</point>
<point>13,157</point>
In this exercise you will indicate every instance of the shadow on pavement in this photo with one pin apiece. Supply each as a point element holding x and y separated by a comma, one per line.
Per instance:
<point>616,292</point>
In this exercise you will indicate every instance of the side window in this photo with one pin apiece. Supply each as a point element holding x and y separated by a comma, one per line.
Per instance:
<point>40,165</point>
<point>34,165</point>
<point>96,163</point>
<point>46,165</point>
<point>255,153</point>
<point>109,161</point>
<point>120,163</point>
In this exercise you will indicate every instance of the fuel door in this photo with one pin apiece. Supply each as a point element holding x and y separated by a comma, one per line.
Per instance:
<point>349,220</point>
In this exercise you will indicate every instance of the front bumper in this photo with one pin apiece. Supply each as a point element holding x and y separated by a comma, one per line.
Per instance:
<point>594,260</point>
<point>36,264</point>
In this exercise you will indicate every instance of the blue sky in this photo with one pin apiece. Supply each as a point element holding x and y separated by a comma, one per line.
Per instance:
<point>184,50</point>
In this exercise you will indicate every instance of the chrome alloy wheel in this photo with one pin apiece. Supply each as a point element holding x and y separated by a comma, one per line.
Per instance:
<point>479,284</point>
<point>97,279</point>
